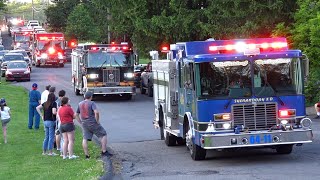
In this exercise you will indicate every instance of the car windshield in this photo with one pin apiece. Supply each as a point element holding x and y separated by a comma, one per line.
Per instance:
<point>104,59</point>
<point>43,45</point>
<point>227,79</point>
<point>22,52</point>
<point>21,38</point>
<point>17,65</point>
<point>12,57</point>
<point>277,77</point>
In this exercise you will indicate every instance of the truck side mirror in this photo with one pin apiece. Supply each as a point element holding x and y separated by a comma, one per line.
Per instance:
<point>305,66</point>
<point>136,59</point>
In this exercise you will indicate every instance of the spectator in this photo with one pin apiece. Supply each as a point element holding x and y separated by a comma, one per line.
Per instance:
<point>59,139</point>
<point>67,127</point>
<point>5,116</point>
<point>44,94</point>
<point>317,108</point>
<point>52,89</point>
<point>34,101</point>
<point>88,113</point>
<point>49,118</point>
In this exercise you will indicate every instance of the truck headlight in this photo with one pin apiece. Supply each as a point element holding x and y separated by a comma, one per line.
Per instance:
<point>222,117</point>
<point>93,76</point>
<point>128,75</point>
<point>226,125</point>
<point>44,56</point>
<point>306,123</point>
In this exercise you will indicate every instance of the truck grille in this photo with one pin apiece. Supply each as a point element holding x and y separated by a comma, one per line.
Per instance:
<point>111,76</point>
<point>255,117</point>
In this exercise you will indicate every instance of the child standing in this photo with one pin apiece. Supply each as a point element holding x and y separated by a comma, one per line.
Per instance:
<point>5,115</point>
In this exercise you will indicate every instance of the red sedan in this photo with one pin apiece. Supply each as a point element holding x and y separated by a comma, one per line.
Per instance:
<point>17,71</point>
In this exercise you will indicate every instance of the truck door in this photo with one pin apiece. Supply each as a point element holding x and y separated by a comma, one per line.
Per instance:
<point>188,86</point>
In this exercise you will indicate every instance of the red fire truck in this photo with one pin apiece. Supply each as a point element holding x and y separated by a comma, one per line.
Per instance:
<point>49,49</point>
<point>21,39</point>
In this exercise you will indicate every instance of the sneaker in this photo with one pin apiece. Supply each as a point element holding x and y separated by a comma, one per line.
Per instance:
<point>65,157</point>
<point>43,154</point>
<point>73,157</point>
<point>106,153</point>
<point>52,154</point>
<point>87,157</point>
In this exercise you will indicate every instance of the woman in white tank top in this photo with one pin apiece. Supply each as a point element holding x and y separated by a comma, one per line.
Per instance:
<point>5,116</point>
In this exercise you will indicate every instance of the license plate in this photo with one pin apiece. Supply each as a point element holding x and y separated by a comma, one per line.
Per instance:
<point>258,139</point>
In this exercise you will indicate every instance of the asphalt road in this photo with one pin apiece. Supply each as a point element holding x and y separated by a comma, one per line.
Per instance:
<point>143,156</point>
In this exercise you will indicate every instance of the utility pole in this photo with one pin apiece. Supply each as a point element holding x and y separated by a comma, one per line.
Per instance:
<point>108,20</point>
<point>32,10</point>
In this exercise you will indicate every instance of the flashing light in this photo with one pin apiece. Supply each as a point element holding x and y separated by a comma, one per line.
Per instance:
<point>45,38</point>
<point>287,113</point>
<point>112,42</point>
<point>94,48</point>
<point>242,46</point>
<point>222,117</point>
<point>113,48</point>
<point>72,44</point>
<point>124,47</point>
<point>51,50</point>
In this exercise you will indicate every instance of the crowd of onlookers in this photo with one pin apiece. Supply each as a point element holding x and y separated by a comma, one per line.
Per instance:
<point>58,119</point>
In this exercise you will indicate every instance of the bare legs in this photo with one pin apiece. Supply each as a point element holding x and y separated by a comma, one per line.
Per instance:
<point>68,138</point>
<point>4,130</point>
<point>103,142</point>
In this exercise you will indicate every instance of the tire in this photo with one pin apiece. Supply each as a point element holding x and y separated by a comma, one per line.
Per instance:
<point>76,91</point>
<point>37,65</point>
<point>61,65</point>
<point>170,139</point>
<point>127,96</point>
<point>161,124</point>
<point>150,91</point>
<point>142,90</point>
<point>181,141</point>
<point>196,152</point>
<point>284,149</point>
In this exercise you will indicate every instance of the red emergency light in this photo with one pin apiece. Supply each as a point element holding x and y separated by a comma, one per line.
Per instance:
<point>165,49</point>
<point>51,50</point>
<point>265,44</point>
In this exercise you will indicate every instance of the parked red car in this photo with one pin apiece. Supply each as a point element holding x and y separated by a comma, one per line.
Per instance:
<point>17,71</point>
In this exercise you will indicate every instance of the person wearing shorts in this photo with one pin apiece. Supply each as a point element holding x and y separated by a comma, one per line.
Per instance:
<point>66,115</point>
<point>88,115</point>
<point>5,116</point>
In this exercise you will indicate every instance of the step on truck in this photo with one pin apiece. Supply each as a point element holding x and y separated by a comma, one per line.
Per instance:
<point>245,93</point>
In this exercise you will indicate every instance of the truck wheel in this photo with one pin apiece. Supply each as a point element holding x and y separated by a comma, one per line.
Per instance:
<point>142,90</point>
<point>76,91</point>
<point>37,65</point>
<point>197,153</point>
<point>127,96</point>
<point>161,124</point>
<point>150,91</point>
<point>181,141</point>
<point>170,139</point>
<point>284,149</point>
<point>61,65</point>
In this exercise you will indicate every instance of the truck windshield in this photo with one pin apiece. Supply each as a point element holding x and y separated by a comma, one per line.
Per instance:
<point>43,45</point>
<point>227,79</point>
<point>105,59</point>
<point>280,76</point>
<point>21,38</point>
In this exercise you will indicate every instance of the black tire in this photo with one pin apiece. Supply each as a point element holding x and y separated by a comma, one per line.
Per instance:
<point>181,141</point>
<point>150,90</point>
<point>284,149</point>
<point>196,152</point>
<point>61,65</point>
<point>142,89</point>
<point>76,91</point>
<point>170,139</point>
<point>127,96</point>
<point>37,65</point>
<point>161,124</point>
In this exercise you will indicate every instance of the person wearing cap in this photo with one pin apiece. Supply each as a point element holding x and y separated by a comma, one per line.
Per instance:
<point>87,115</point>
<point>5,116</point>
<point>34,101</point>
<point>44,94</point>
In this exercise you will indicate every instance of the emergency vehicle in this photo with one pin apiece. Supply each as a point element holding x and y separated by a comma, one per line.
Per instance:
<point>21,39</point>
<point>103,69</point>
<point>49,49</point>
<point>232,94</point>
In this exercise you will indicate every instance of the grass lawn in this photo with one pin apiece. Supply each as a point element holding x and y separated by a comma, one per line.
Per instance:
<point>144,61</point>
<point>21,157</point>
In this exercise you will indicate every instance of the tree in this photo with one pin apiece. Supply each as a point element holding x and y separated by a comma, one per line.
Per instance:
<point>81,26</point>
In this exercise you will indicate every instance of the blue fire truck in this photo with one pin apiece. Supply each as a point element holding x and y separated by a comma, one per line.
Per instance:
<point>242,93</point>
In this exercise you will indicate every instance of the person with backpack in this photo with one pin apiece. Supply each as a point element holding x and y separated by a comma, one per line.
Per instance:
<point>5,116</point>
<point>49,118</point>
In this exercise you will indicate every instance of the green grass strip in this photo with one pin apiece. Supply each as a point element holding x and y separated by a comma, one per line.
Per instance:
<point>21,157</point>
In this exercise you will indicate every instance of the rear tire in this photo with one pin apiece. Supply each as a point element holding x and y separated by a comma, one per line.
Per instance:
<point>37,65</point>
<point>150,91</point>
<point>284,149</point>
<point>76,91</point>
<point>181,141</point>
<point>142,90</point>
<point>61,65</point>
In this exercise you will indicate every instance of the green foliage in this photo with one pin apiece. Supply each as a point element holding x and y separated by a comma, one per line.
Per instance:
<point>81,25</point>
<point>306,37</point>
<point>24,10</point>
<point>2,5</point>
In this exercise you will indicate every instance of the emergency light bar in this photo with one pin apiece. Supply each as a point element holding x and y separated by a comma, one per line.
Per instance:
<point>240,46</point>
<point>49,36</point>
<point>107,47</point>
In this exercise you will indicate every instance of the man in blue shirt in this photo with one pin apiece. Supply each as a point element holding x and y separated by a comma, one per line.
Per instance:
<point>34,101</point>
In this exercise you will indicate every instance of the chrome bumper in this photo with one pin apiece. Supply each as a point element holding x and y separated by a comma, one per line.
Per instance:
<point>256,139</point>
<point>113,90</point>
